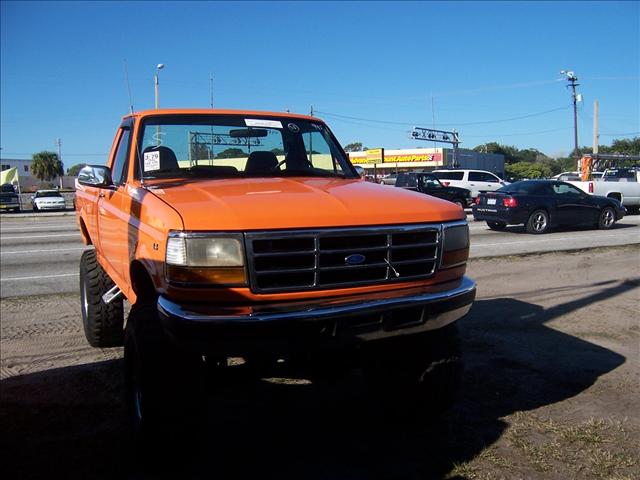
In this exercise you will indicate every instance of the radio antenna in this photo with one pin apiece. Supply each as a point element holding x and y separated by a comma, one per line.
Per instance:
<point>126,79</point>
<point>211,88</point>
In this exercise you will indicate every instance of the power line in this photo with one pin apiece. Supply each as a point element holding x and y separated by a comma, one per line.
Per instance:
<point>387,122</point>
<point>619,134</point>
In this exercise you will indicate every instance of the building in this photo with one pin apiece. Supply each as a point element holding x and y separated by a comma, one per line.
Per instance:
<point>27,181</point>
<point>404,160</point>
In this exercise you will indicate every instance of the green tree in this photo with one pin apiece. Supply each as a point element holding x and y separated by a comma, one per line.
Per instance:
<point>353,147</point>
<point>520,170</point>
<point>231,153</point>
<point>626,146</point>
<point>73,171</point>
<point>46,165</point>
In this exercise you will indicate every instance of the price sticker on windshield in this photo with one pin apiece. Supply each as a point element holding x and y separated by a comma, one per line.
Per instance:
<point>257,122</point>
<point>151,161</point>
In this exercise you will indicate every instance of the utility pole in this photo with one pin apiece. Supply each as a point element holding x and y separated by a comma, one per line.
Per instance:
<point>573,83</point>
<point>59,145</point>
<point>596,133</point>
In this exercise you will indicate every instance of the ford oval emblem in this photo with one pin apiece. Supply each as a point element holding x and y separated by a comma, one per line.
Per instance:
<point>355,259</point>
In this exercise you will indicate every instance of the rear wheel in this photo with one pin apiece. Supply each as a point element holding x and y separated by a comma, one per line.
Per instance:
<point>417,375</point>
<point>499,226</point>
<point>538,222</point>
<point>103,323</point>
<point>607,218</point>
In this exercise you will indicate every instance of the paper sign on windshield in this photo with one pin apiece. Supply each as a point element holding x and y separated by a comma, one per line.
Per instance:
<point>255,122</point>
<point>151,161</point>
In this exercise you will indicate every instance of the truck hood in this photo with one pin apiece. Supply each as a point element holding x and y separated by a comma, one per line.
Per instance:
<point>298,202</point>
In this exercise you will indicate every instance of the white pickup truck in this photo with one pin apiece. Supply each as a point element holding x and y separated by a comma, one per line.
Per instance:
<point>620,183</point>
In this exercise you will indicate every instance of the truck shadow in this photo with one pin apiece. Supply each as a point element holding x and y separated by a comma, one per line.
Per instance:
<point>68,421</point>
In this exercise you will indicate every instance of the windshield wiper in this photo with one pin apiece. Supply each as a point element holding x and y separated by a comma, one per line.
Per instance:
<point>309,173</point>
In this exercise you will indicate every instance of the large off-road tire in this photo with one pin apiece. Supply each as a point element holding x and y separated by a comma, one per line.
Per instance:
<point>103,323</point>
<point>606,219</point>
<point>416,376</point>
<point>538,222</point>
<point>164,386</point>
<point>498,226</point>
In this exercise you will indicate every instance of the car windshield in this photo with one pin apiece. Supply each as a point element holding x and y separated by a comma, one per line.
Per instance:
<point>231,146</point>
<point>47,194</point>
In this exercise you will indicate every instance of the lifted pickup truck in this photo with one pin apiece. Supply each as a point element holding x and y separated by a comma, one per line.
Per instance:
<point>249,234</point>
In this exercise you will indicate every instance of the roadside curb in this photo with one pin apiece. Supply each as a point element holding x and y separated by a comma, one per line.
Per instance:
<point>38,214</point>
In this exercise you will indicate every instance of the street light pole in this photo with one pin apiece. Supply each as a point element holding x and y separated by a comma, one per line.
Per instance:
<point>572,79</point>
<point>159,67</point>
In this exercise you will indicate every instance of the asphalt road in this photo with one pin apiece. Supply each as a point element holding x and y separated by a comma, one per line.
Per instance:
<point>39,253</point>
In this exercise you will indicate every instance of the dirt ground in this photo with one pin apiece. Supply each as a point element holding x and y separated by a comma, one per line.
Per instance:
<point>552,391</point>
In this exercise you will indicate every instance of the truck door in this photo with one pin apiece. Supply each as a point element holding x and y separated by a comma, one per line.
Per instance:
<point>112,220</point>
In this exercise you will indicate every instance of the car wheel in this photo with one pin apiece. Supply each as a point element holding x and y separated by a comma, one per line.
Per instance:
<point>538,222</point>
<point>417,375</point>
<point>35,208</point>
<point>607,218</point>
<point>164,386</point>
<point>461,203</point>
<point>103,323</point>
<point>499,226</point>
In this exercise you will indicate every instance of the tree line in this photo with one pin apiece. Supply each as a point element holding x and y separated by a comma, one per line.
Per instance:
<point>532,163</point>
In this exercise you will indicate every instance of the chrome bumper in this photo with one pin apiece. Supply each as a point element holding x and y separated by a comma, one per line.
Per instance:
<point>370,317</point>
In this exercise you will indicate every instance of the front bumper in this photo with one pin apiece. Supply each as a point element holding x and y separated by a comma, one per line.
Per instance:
<point>51,206</point>
<point>323,323</point>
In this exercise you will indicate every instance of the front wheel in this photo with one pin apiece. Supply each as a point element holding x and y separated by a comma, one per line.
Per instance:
<point>103,323</point>
<point>606,219</point>
<point>164,386</point>
<point>538,222</point>
<point>498,226</point>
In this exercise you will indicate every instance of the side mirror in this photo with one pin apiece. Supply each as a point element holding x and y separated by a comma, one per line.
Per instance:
<point>95,176</point>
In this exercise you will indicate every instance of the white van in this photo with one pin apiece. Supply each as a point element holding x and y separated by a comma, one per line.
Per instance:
<point>475,181</point>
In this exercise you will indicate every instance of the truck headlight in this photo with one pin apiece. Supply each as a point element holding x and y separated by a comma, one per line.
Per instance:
<point>203,258</point>
<point>455,246</point>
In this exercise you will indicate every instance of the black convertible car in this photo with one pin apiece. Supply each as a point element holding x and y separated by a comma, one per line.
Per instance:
<point>428,183</point>
<point>541,204</point>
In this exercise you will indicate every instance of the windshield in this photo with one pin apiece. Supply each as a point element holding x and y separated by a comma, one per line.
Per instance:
<point>47,194</point>
<point>231,146</point>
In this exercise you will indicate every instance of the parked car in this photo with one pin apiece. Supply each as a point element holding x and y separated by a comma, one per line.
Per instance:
<point>389,179</point>
<point>9,200</point>
<point>475,181</point>
<point>541,204</point>
<point>428,183</point>
<point>48,200</point>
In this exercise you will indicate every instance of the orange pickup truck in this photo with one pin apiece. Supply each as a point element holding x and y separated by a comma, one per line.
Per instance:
<point>249,236</point>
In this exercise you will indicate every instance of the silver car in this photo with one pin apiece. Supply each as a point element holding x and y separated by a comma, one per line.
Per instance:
<point>48,200</point>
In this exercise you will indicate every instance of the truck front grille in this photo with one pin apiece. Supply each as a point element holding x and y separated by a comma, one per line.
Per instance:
<point>337,258</point>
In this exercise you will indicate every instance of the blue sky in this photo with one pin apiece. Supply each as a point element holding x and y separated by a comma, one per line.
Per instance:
<point>481,65</point>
